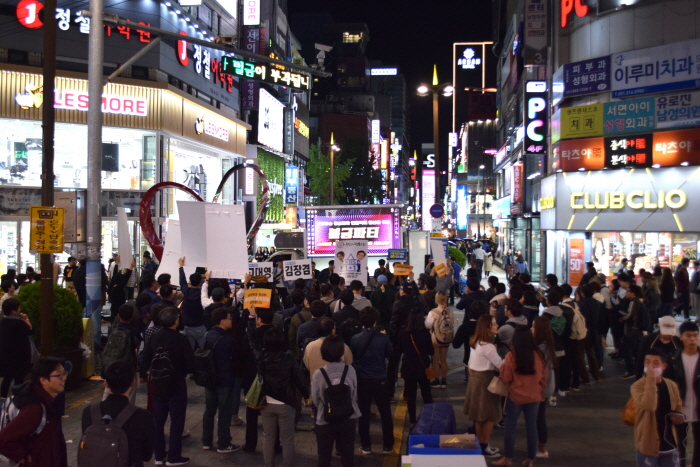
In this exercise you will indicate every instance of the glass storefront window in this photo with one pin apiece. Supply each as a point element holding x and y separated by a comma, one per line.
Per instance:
<point>8,246</point>
<point>126,153</point>
<point>535,246</point>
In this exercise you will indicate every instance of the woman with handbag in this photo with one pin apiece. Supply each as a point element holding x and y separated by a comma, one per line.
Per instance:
<point>442,335</point>
<point>524,372</point>
<point>542,332</point>
<point>481,405</point>
<point>415,344</point>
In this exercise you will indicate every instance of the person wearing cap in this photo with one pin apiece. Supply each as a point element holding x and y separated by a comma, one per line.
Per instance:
<point>382,299</point>
<point>685,365</point>
<point>665,339</point>
<point>382,270</point>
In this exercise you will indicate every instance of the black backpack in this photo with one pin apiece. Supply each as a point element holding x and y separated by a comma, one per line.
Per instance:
<point>104,443</point>
<point>337,399</point>
<point>349,328</point>
<point>119,347</point>
<point>162,372</point>
<point>206,374</point>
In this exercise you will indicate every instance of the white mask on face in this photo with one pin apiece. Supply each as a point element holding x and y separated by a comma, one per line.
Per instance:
<point>656,372</point>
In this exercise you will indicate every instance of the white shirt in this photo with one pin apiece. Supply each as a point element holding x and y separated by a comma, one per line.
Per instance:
<point>479,253</point>
<point>690,402</point>
<point>484,358</point>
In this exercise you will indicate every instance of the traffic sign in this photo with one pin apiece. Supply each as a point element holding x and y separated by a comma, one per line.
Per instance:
<point>436,210</point>
<point>46,234</point>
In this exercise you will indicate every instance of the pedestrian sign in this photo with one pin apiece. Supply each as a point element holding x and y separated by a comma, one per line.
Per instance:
<point>46,235</point>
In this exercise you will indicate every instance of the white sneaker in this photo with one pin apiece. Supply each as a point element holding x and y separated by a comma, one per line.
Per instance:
<point>542,455</point>
<point>562,393</point>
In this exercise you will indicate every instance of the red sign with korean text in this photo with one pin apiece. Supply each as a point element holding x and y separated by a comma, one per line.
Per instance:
<point>576,262</point>
<point>671,148</point>
<point>516,191</point>
<point>576,154</point>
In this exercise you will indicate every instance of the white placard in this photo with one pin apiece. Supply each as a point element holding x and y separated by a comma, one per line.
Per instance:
<point>214,236</point>
<point>352,258</point>
<point>299,269</point>
<point>123,239</point>
<point>172,251</point>
<point>271,121</point>
<point>259,269</point>
<point>447,461</point>
<point>437,248</point>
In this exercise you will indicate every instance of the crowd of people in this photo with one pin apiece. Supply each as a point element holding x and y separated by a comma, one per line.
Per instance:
<point>338,350</point>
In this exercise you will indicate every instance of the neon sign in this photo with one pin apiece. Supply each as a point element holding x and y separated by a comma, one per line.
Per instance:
<point>535,116</point>
<point>567,6</point>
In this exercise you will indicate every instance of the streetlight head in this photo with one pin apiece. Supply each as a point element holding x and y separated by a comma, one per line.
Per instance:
<point>482,167</point>
<point>335,148</point>
<point>423,90</point>
<point>449,89</point>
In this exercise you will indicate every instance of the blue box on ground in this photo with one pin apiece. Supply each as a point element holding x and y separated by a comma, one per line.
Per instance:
<point>432,446</point>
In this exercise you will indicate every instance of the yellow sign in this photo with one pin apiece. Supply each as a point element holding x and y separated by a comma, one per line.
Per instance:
<point>46,235</point>
<point>441,269</point>
<point>402,269</point>
<point>582,122</point>
<point>257,297</point>
<point>674,199</point>
<point>547,202</point>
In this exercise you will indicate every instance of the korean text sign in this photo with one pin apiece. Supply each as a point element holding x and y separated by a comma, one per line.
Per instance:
<point>261,269</point>
<point>264,72</point>
<point>351,260</point>
<point>588,153</point>
<point>587,77</point>
<point>633,151</point>
<point>257,297</point>
<point>299,269</point>
<point>656,69</point>
<point>46,235</point>
<point>402,269</point>
<point>582,121</point>
<point>576,262</point>
<point>629,116</point>
<point>397,254</point>
<point>674,110</point>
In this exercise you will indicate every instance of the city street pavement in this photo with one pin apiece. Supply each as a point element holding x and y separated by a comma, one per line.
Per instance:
<point>585,428</point>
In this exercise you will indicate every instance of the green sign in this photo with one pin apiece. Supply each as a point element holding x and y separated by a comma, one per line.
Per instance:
<point>272,166</point>
<point>264,72</point>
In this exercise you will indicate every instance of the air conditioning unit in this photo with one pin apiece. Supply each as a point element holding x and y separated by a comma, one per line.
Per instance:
<point>225,39</point>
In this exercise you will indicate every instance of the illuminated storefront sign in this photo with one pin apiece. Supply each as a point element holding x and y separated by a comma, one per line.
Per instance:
<point>251,12</point>
<point>547,203</point>
<point>302,128</point>
<point>271,121</point>
<point>381,227</point>
<point>208,127</point>
<point>428,197</point>
<point>291,186</point>
<point>384,71</point>
<point>581,122</point>
<point>264,72</point>
<point>375,131</point>
<point>633,151</point>
<point>78,100</point>
<point>535,117</point>
<point>646,200</point>
<point>569,6</point>
<point>462,207</point>
<point>470,59</point>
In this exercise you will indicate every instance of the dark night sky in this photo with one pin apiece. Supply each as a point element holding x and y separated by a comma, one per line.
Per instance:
<point>414,35</point>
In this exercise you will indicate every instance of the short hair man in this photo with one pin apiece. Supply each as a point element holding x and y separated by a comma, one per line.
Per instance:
<point>140,431</point>
<point>665,339</point>
<point>658,407</point>
<point>17,439</point>
<point>686,371</point>
<point>193,316</point>
<point>371,348</point>
<point>312,355</point>
<point>636,319</point>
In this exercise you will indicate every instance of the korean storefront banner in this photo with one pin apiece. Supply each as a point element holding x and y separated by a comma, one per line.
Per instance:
<point>576,261</point>
<point>587,77</point>
<point>582,121</point>
<point>351,258</point>
<point>632,199</point>
<point>656,69</point>
<point>681,109</point>
<point>516,189</point>
<point>628,116</point>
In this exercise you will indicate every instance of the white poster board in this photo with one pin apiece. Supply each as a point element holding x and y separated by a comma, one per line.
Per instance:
<point>437,248</point>
<point>299,269</point>
<point>172,251</point>
<point>353,257</point>
<point>123,239</point>
<point>214,236</point>
<point>261,269</point>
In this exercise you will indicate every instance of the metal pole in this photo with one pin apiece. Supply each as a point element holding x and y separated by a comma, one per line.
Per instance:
<point>94,215</point>
<point>48,114</point>
<point>133,59</point>
<point>483,201</point>
<point>331,202</point>
<point>436,144</point>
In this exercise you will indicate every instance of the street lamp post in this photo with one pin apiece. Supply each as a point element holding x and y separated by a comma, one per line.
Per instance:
<point>446,89</point>
<point>483,198</point>
<point>334,149</point>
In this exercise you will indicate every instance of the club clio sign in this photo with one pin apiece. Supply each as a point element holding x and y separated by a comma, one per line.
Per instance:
<point>78,100</point>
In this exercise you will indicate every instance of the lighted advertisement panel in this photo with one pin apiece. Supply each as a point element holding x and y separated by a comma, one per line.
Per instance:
<point>271,122</point>
<point>428,197</point>
<point>535,117</point>
<point>462,207</point>
<point>381,227</point>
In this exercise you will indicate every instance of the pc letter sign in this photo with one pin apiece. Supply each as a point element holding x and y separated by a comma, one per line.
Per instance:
<point>535,117</point>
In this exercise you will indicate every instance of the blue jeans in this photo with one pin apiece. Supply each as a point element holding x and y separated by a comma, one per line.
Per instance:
<point>665,459</point>
<point>176,407</point>
<point>196,335</point>
<point>511,419</point>
<point>218,399</point>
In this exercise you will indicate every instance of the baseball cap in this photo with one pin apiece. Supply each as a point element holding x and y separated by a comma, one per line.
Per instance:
<point>407,286</point>
<point>382,278</point>
<point>217,294</point>
<point>667,326</point>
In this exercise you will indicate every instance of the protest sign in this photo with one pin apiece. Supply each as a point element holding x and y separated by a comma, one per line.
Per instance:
<point>257,297</point>
<point>299,269</point>
<point>353,257</point>
<point>261,269</point>
<point>402,269</point>
<point>440,269</point>
<point>438,248</point>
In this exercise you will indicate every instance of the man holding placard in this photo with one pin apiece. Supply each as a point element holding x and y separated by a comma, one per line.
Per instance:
<point>193,316</point>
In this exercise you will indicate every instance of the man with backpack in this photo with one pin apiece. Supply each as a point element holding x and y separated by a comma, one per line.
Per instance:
<point>193,311</point>
<point>347,319</point>
<point>116,426</point>
<point>122,346</point>
<point>371,349</point>
<point>313,360</point>
<point>220,394</point>
<point>167,360</point>
<point>299,320</point>
<point>31,434</point>
<point>515,318</point>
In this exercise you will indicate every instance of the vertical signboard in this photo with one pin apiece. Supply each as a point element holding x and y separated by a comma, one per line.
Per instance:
<point>250,88</point>
<point>462,207</point>
<point>46,234</point>
<point>516,188</point>
<point>428,197</point>
<point>576,262</point>
<point>535,117</point>
<point>468,71</point>
<point>587,77</point>
<point>251,12</point>
<point>535,50</point>
<point>291,186</point>
<point>375,131</point>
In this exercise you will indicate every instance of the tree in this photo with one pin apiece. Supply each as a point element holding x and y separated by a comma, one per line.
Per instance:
<point>366,186</point>
<point>318,169</point>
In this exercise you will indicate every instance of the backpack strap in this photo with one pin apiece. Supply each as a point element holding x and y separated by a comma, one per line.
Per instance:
<point>96,413</point>
<point>325,376</point>
<point>345,372</point>
<point>364,349</point>
<point>125,415</point>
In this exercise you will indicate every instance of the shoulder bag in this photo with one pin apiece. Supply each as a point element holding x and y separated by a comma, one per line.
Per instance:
<point>429,371</point>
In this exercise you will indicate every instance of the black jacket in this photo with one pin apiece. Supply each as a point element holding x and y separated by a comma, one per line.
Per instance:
<point>467,299</point>
<point>399,313</point>
<point>15,346</point>
<point>372,363</point>
<point>117,284</point>
<point>462,336</point>
<point>225,352</point>
<point>648,342</point>
<point>140,429</point>
<point>590,309</point>
<point>193,315</point>
<point>345,313</point>
<point>415,363</point>
<point>678,376</point>
<point>178,345</point>
<point>280,372</point>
